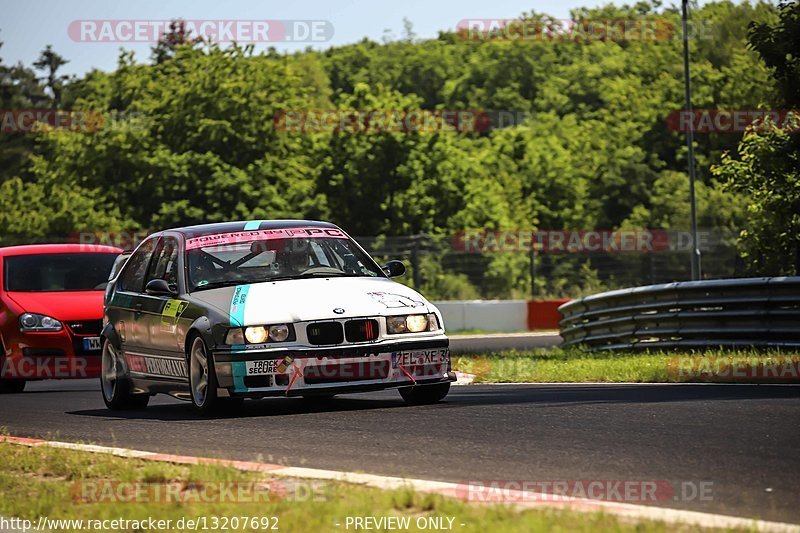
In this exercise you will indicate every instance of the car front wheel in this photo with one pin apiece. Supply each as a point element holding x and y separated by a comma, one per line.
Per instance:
<point>424,394</point>
<point>116,387</point>
<point>203,379</point>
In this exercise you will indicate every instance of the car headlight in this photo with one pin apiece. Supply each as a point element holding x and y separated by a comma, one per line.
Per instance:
<point>279,333</point>
<point>260,334</point>
<point>412,323</point>
<point>255,334</point>
<point>36,322</point>
<point>433,322</point>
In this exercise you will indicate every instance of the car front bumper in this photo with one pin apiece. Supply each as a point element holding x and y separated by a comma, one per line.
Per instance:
<point>45,355</point>
<point>353,368</point>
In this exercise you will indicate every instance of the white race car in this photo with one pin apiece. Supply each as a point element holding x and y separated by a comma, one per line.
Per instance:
<point>222,312</point>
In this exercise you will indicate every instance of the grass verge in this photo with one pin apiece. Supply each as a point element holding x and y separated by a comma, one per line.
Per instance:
<point>51,482</point>
<point>548,365</point>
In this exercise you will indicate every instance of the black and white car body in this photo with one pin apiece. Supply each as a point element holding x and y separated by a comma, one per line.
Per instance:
<point>221,312</point>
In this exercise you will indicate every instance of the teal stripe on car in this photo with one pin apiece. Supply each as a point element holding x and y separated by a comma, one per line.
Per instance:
<point>238,304</point>
<point>239,370</point>
<point>252,225</point>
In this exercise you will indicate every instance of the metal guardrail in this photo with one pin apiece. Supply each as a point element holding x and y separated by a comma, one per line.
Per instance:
<point>759,312</point>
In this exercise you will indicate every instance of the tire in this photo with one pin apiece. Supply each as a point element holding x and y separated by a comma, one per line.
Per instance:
<point>203,379</point>
<point>425,394</point>
<point>114,385</point>
<point>12,386</point>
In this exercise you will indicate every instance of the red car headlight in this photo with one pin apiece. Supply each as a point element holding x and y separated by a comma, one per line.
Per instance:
<point>35,322</point>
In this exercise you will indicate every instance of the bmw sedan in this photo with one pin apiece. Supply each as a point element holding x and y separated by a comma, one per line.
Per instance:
<point>218,313</point>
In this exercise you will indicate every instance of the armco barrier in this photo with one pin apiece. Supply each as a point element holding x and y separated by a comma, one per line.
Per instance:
<point>500,315</point>
<point>761,312</point>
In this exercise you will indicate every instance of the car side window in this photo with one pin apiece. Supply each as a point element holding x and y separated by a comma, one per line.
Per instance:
<point>132,276</point>
<point>165,262</point>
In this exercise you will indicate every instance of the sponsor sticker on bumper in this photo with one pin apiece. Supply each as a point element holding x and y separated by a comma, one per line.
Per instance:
<point>260,368</point>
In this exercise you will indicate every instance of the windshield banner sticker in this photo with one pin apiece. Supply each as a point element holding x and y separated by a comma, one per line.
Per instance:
<point>263,235</point>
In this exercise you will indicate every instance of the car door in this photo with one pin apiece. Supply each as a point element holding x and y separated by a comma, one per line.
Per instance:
<point>124,309</point>
<point>161,313</point>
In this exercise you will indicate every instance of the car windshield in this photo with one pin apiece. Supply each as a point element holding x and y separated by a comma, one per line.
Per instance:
<point>274,255</point>
<point>57,272</point>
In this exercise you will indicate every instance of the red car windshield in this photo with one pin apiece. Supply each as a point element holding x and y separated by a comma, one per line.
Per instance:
<point>57,272</point>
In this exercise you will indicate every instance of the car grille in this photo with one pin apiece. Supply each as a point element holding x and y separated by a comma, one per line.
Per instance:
<point>325,333</point>
<point>90,328</point>
<point>361,330</point>
<point>43,352</point>
<point>257,382</point>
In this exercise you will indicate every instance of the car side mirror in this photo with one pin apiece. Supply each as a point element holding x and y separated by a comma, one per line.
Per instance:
<point>394,268</point>
<point>160,287</point>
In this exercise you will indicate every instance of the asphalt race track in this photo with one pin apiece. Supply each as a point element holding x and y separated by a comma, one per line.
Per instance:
<point>744,439</point>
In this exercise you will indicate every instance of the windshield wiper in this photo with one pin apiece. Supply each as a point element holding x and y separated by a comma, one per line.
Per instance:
<point>230,282</point>
<point>317,275</point>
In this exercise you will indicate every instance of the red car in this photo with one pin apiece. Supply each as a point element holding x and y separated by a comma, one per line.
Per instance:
<point>51,311</point>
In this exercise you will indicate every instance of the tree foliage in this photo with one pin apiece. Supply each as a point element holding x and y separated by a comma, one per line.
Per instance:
<point>191,137</point>
<point>767,169</point>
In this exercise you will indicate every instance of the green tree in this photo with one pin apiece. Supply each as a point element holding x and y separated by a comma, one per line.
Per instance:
<point>50,62</point>
<point>767,169</point>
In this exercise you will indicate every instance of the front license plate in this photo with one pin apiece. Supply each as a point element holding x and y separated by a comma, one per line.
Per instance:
<point>436,356</point>
<point>260,368</point>
<point>91,344</point>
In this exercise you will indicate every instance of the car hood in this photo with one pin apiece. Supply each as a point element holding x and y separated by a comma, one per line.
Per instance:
<point>77,305</point>
<point>313,299</point>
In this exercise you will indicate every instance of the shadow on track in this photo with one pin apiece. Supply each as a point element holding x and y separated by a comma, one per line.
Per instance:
<point>268,407</point>
<point>539,397</point>
<point>548,396</point>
